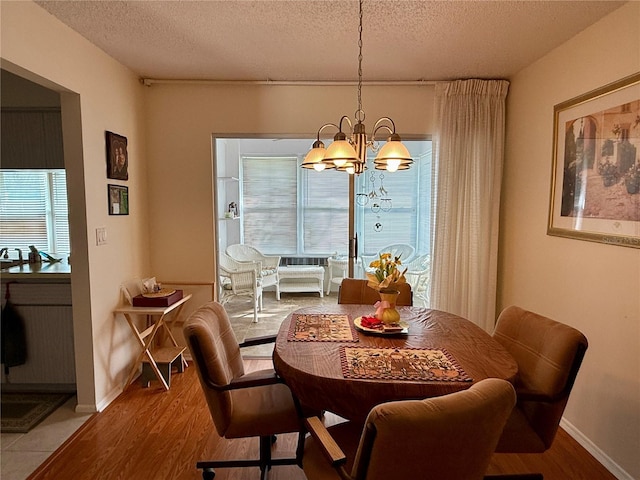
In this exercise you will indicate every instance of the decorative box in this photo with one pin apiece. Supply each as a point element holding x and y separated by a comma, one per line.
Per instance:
<point>163,298</point>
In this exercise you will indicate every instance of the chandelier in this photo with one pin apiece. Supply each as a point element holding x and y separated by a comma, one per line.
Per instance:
<point>350,154</point>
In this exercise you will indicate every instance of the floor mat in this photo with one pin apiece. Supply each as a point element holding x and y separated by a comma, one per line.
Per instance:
<point>20,412</point>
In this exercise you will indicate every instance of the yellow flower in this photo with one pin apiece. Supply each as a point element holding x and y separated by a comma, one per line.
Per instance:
<point>386,275</point>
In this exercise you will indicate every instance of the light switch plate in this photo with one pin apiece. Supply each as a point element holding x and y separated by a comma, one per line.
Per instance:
<point>101,236</point>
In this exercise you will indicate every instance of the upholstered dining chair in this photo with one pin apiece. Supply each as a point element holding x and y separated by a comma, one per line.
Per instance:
<point>451,437</point>
<point>241,404</point>
<point>356,291</point>
<point>549,355</point>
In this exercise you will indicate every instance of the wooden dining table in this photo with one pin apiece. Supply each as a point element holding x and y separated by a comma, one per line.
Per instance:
<point>321,374</point>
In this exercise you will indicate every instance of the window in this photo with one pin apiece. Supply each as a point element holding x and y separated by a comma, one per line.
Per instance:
<point>33,210</point>
<point>287,211</point>
<point>290,211</point>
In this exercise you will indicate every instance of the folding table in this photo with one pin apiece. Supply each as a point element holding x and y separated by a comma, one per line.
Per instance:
<point>165,356</point>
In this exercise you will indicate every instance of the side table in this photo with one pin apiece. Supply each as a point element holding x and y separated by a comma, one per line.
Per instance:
<point>301,278</point>
<point>151,354</point>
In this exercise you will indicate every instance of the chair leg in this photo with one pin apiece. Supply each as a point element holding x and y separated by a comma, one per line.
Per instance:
<point>208,474</point>
<point>265,454</point>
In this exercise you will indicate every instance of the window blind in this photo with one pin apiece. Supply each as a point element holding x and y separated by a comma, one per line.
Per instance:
<point>33,210</point>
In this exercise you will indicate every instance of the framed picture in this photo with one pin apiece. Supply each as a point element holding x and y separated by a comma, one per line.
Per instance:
<point>118,200</point>
<point>117,157</point>
<point>595,181</point>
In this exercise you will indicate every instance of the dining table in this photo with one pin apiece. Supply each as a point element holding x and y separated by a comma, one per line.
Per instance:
<point>331,362</point>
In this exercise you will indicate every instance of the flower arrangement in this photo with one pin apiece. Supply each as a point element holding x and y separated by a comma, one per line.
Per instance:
<point>387,275</point>
<point>608,169</point>
<point>632,179</point>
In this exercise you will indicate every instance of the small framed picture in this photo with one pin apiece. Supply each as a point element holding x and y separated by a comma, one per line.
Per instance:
<point>117,157</point>
<point>118,197</point>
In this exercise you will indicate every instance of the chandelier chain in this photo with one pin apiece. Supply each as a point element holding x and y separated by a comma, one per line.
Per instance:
<point>359,112</point>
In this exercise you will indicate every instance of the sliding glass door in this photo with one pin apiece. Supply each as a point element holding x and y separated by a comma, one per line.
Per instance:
<point>263,198</point>
<point>394,208</point>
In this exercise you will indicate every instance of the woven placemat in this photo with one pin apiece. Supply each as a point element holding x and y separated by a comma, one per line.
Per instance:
<point>401,364</point>
<point>321,327</point>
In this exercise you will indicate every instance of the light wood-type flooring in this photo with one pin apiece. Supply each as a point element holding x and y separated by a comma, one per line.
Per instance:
<point>148,433</point>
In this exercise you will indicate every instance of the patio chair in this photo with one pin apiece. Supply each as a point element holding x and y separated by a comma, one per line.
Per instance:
<point>240,280</point>
<point>403,250</point>
<point>268,264</point>
<point>418,275</point>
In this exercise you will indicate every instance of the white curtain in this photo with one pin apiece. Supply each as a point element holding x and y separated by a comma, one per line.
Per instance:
<point>469,149</point>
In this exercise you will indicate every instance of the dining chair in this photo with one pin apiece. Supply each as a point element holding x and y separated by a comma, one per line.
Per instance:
<point>549,355</point>
<point>240,280</point>
<point>451,437</point>
<point>357,291</point>
<point>256,404</point>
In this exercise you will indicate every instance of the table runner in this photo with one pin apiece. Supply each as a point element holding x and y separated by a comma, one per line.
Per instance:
<point>321,327</point>
<point>401,364</point>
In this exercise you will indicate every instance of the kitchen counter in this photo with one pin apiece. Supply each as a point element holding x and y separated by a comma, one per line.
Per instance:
<point>44,270</point>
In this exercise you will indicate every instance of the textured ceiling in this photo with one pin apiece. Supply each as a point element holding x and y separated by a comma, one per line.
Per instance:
<point>291,40</point>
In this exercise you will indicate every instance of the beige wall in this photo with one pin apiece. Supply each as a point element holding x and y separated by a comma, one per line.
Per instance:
<point>593,287</point>
<point>98,94</point>
<point>182,119</point>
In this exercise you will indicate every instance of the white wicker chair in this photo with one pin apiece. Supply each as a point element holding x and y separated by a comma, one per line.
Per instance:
<point>240,279</point>
<point>337,269</point>
<point>418,275</point>
<point>403,250</point>
<point>268,264</point>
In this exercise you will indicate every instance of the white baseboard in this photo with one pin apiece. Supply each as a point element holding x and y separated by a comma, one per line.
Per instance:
<point>598,454</point>
<point>102,404</point>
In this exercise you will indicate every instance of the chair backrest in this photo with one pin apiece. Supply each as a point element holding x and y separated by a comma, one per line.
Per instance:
<point>549,355</point>
<point>402,250</point>
<point>450,437</point>
<point>217,358</point>
<point>356,291</point>
<point>244,253</point>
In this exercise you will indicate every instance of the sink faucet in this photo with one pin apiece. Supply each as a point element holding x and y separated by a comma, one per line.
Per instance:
<point>19,255</point>
<point>5,251</point>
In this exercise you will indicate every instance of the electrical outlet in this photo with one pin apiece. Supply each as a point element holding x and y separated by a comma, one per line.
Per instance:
<point>101,236</point>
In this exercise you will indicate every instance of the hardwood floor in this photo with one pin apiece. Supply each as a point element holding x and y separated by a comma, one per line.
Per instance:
<point>149,433</point>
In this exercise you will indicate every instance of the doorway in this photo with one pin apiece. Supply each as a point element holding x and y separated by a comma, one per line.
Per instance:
<point>263,198</point>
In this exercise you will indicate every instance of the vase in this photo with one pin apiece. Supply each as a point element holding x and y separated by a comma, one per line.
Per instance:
<point>386,308</point>
<point>633,186</point>
<point>609,180</point>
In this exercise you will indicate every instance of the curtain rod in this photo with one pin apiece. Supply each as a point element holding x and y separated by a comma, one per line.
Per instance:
<point>151,81</point>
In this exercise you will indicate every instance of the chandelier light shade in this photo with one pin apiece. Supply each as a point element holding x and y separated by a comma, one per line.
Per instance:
<point>393,155</point>
<point>349,153</point>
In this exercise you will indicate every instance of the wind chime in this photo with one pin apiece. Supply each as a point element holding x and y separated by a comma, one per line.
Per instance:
<point>379,197</point>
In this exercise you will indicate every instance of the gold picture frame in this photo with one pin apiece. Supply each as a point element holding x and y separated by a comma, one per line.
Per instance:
<point>595,181</point>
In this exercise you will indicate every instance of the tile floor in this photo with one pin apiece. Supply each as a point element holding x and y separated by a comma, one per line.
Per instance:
<point>22,453</point>
<point>273,313</point>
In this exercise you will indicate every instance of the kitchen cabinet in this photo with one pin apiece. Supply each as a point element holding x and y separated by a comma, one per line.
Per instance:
<point>45,307</point>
